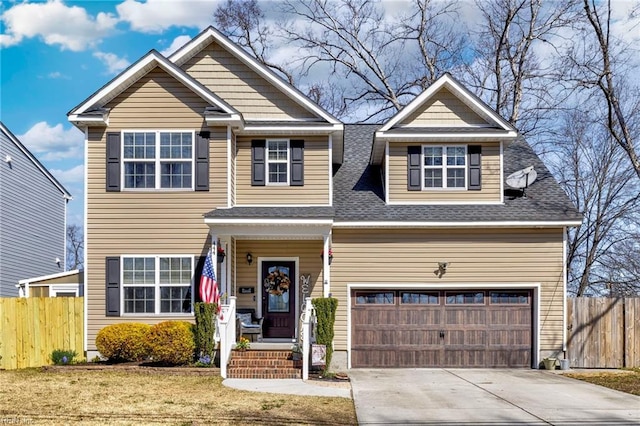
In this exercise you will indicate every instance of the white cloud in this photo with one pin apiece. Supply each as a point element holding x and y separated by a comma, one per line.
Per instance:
<point>155,16</point>
<point>113,62</point>
<point>177,43</point>
<point>69,177</point>
<point>70,27</point>
<point>54,143</point>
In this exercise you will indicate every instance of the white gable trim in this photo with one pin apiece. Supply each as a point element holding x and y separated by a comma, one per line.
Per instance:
<point>35,161</point>
<point>49,277</point>
<point>472,101</point>
<point>138,70</point>
<point>188,50</point>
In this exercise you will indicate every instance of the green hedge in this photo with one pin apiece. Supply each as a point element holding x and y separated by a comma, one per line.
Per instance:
<point>205,329</point>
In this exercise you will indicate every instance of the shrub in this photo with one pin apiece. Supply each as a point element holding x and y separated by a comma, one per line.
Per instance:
<point>123,342</point>
<point>205,328</point>
<point>62,356</point>
<point>326,314</point>
<point>172,342</point>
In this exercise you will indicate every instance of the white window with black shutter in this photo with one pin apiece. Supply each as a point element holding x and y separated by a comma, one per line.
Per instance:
<point>149,285</point>
<point>157,160</point>
<point>277,162</point>
<point>449,167</point>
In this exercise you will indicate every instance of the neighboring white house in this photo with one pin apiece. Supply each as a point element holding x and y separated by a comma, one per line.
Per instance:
<point>33,209</point>
<point>62,284</point>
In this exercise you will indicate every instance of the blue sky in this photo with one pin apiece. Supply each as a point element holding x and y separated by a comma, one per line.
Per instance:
<point>54,54</point>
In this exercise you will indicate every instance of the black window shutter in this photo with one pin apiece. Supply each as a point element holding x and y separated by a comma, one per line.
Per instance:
<point>113,162</point>
<point>196,277</point>
<point>297,163</point>
<point>112,295</point>
<point>258,173</point>
<point>475,167</point>
<point>413,168</point>
<point>202,161</point>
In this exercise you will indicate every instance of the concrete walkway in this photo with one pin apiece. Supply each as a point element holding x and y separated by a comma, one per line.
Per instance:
<point>486,397</point>
<point>291,387</point>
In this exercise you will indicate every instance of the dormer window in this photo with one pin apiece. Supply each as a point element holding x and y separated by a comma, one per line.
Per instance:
<point>450,167</point>
<point>444,167</point>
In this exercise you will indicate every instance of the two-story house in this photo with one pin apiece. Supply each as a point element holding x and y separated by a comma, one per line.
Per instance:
<point>33,210</point>
<point>406,223</point>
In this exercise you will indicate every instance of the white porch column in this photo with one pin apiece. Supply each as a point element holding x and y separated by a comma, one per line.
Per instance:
<point>326,272</point>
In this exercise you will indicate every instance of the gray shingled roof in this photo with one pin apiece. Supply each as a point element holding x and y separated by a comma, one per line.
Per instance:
<point>358,194</point>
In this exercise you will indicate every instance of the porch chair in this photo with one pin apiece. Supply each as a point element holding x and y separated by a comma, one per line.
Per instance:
<point>247,324</point>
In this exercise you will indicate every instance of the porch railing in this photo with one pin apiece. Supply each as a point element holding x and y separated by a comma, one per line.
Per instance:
<point>307,321</point>
<point>227,328</point>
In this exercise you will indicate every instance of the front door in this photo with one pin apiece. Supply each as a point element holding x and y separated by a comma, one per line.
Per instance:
<point>279,299</point>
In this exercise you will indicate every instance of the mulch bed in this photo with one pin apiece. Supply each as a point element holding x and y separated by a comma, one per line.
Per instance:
<point>138,367</point>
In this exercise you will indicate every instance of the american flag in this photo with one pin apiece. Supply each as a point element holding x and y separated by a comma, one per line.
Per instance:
<point>209,292</point>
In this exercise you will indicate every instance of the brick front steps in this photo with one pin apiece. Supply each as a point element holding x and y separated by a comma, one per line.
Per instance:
<point>263,364</point>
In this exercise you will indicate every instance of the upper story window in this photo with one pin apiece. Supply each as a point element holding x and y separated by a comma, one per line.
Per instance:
<point>157,285</point>
<point>277,161</point>
<point>163,159</point>
<point>451,167</point>
<point>158,160</point>
<point>444,167</point>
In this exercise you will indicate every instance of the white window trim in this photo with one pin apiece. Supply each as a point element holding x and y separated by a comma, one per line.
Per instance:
<point>268,162</point>
<point>444,168</point>
<point>156,286</point>
<point>157,160</point>
<point>54,289</point>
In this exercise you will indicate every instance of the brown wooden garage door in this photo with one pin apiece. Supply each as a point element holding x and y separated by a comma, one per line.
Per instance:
<point>461,328</point>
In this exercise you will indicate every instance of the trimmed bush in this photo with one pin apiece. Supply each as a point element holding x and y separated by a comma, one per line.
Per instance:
<point>172,342</point>
<point>326,315</point>
<point>205,329</point>
<point>126,341</point>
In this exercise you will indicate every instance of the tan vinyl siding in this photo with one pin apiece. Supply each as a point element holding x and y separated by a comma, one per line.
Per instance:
<point>491,174</point>
<point>241,87</point>
<point>308,252</point>
<point>157,100</point>
<point>147,222</point>
<point>316,176</point>
<point>401,257</point>
<point>443,109</point>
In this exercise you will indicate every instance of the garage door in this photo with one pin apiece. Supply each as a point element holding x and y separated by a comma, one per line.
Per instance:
<point>461,328</point>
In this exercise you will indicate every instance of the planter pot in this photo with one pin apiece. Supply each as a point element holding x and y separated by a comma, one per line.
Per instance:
<point>564,364</point>
<point>549,363</point>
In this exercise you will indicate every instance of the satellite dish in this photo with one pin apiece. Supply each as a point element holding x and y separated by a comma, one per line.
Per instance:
<point>522,178</point>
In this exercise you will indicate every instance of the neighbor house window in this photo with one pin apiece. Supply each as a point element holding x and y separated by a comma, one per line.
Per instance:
<point>158,160</point>
<point>157,284</point>
<point>278,162</point>
<point>444,167</point>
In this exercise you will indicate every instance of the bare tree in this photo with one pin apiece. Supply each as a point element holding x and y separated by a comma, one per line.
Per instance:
<point>601,61</point>
<point>75,247</point>
<point>508,72</point>
<point>588,164</point>
<point>244,22</point>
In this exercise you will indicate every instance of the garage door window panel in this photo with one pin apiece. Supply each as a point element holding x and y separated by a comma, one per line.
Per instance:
<point>509,298</point>
<point>418,298</point>
<point>378,298</point>
<point>465,298</point>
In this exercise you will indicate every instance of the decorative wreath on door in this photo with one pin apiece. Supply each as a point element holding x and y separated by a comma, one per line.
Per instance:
<point>277,283</point>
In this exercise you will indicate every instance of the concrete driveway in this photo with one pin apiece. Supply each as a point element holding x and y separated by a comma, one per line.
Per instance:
<point>486,397</point>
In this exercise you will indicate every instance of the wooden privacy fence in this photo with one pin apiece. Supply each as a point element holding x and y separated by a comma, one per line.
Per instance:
<point>603,332</point>
<point>31,328</point>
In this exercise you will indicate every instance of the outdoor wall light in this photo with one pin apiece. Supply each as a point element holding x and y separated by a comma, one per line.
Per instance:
<point>8,159</point>
<point>249,258</point>
<point>58,261</point>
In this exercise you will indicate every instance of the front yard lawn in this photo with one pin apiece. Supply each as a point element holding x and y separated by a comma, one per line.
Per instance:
<point>628,382</point>
<point>34,396</point>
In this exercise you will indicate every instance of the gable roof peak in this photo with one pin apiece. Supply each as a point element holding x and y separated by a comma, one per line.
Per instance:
<point>471,100</point>
<point>211,34</point>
